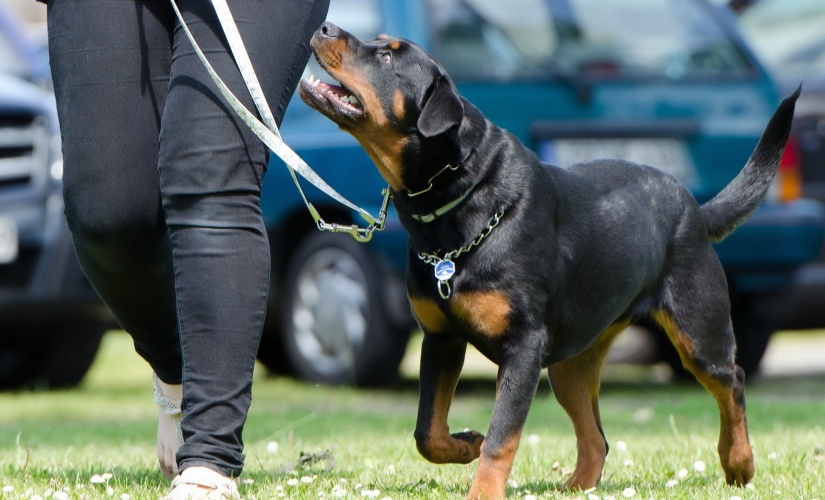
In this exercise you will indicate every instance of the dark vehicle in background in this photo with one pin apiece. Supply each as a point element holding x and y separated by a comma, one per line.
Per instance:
<point>789,37</point>
<point>664,82</point>
<point>51,322</point>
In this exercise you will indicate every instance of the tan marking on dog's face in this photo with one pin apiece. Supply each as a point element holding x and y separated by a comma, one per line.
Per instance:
<point>330,52</point>
<point>395,45</point>
<point>376,133</point>
<point>428,315</point>
<point>398,109</point>
<point>487,312</point>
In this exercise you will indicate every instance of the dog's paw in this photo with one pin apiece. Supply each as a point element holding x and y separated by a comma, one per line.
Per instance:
<point>471,443</point>
<point>739,474</point>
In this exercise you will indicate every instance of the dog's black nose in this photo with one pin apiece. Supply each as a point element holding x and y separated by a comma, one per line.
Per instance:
<point>329,30</point>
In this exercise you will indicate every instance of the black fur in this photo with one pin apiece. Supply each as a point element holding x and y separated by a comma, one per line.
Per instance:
<point>578,254</point>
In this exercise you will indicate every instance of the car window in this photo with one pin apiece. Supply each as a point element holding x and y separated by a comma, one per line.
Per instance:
<point>790,36</point>
<point>524,39</point>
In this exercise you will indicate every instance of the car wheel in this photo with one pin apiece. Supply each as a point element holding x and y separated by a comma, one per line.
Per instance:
<point>72,353</point>
<point>271,352</point>
<point>49,356</point>
<point>334,320</point>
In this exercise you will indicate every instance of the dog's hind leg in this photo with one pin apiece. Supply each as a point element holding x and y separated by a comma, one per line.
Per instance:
<point>699,327</point>
<point>576,382</point>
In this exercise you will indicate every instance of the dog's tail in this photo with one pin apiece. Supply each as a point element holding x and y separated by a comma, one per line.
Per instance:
<point>728,209</point>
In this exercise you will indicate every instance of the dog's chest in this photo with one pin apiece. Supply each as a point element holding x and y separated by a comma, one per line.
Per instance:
<point>473,313</point>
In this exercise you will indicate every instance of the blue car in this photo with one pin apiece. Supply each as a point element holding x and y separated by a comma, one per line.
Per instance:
<point>669,83</point>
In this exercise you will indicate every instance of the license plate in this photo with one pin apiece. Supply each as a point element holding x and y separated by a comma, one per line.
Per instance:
<point>667,155</point>
<point>8,240</point>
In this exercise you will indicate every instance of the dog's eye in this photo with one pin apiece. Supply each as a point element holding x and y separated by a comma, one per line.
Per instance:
<point>385,57</point>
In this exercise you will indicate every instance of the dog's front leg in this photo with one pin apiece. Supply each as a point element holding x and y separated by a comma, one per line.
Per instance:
<point>518,377</point>
<point>442,357</point>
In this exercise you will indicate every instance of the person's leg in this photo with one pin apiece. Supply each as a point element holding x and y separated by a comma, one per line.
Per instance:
<point>110,64</point>
<point>211,168</point>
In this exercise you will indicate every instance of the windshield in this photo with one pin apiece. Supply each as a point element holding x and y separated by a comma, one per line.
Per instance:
<point>790,36</point>
<point>529,39</point>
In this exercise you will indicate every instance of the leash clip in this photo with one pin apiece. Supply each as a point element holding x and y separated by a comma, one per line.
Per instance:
<point>361,234</point>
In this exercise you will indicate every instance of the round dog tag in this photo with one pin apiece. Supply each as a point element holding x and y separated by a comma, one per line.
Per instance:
<point>444,270</point>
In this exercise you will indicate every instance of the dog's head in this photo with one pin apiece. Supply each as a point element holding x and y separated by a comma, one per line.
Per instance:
<point>393,96</point>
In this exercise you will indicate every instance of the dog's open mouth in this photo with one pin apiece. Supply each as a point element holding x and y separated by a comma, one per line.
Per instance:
<point>332,100</point>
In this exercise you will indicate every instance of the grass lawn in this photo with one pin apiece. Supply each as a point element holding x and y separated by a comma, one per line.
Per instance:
<point>306,441</point>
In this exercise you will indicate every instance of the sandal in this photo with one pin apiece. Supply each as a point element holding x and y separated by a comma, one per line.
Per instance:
<point>202,483</point>
<point>170,437</point>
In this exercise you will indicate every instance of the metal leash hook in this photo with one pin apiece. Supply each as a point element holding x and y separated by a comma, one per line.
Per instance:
<point>361,234</point>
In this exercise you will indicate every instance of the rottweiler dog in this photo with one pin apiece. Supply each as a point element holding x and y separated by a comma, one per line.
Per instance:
<point>534,265</point>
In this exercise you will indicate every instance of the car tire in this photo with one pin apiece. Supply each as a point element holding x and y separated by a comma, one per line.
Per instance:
<point>271,351</point>
<point>335,322</point>
<point>49,356</point>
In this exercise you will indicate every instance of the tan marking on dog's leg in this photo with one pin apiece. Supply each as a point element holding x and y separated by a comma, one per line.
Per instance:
<point>444,448</point>
<point>437,445</point>
<point>735,453</point>
<point>429,316</point>
<point>487,312</point>
<point>490,480</point>
<point>576,383</point>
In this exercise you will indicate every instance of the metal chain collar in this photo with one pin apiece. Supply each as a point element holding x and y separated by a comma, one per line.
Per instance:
<point>445,267</point>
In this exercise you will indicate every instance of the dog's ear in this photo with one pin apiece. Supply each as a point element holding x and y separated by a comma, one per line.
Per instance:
<point>442,109</point>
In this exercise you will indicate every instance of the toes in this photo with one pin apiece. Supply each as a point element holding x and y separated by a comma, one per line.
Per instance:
<point>469,436</point>
<point>738,478</point>
<point>472,443</point>
<point>168,463</point>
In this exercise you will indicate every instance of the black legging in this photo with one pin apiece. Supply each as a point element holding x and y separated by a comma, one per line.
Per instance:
<point>162,188</point>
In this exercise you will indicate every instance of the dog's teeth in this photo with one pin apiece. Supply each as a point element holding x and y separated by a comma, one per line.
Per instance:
<point>354,100</point>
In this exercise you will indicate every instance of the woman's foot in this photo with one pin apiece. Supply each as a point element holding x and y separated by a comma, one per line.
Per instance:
<point>202,483</point>
<point>168,398</point>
